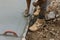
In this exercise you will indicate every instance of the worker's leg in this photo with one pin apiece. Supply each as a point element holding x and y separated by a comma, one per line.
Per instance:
<point>28,7</point>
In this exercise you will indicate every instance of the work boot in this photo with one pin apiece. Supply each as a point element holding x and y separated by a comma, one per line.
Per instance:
<point>36,13</point>
<point>37,25</point>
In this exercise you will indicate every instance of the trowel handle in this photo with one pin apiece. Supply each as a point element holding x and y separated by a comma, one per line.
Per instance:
<point>14,34</point>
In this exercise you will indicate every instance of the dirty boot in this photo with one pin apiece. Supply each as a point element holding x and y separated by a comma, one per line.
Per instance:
<point>36,13</point>
<point>36,25</point>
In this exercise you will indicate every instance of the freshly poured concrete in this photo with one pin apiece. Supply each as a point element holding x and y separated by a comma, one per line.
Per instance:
<point>11,16</point>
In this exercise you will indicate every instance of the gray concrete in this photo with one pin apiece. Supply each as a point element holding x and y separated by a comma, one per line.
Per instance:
<point>11,17</point>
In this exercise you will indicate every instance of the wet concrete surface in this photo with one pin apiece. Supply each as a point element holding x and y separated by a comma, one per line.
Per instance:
<point>11,17</point>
